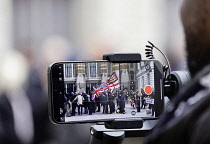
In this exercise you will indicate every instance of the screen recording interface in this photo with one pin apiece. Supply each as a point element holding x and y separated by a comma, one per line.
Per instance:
<point>98,91</point>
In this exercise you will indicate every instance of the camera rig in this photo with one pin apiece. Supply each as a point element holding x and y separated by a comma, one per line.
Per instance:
<point>115,131</point>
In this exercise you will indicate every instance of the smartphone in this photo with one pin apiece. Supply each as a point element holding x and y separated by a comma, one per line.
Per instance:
<point>100,91</point>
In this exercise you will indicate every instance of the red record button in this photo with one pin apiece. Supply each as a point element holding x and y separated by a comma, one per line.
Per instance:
<point>148,90</point>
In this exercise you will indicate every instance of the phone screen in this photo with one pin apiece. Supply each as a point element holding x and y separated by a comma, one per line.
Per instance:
<point>102,91</point>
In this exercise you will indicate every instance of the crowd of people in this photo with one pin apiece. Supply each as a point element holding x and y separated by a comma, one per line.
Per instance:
<point>79,103</point>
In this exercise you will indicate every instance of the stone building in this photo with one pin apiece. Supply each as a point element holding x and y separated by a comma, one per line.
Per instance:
<point>82,77</point>
<point>145,74</point>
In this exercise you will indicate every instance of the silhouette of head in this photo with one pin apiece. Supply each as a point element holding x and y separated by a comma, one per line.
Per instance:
<point>195,16</point>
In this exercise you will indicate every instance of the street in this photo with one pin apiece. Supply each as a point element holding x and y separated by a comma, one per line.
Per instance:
<point>129,112</point>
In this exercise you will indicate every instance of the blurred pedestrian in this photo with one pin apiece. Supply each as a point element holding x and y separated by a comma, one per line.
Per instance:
<point>16,113</point>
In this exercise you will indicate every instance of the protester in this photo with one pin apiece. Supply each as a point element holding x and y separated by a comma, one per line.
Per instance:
<point>143,99</point>
<point>122,96</point>
<point>137,100</point>
<point>74,103</point>
<point>104,99</point>
<point>85,102</point>
<point>111,102</point>
<point>117,97</point>
<point>80,100</point>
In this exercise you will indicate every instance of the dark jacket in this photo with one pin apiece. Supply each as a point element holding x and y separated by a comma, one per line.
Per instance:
<point>186,119</point>
<point>7,129</point>
<point>122,99</point>
<point>103,99</point>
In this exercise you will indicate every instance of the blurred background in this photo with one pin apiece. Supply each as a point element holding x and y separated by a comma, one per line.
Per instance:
<point>35,33</point>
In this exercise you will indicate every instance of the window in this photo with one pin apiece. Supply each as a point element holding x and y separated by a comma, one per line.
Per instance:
<point>69,70</point>
<point>131,65</point>
<point>132,75</point>
<point>93,69</point>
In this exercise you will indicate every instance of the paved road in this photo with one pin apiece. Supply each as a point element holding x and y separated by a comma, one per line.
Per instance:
<point>101,116</point>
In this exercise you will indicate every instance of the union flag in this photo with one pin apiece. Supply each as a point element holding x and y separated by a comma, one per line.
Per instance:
<point>96,92</point>
<point>110,85</point>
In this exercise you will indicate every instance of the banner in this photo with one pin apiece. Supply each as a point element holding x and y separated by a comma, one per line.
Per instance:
<point>149,100</point>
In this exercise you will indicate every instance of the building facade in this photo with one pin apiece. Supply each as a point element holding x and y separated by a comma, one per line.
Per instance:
<point>83,77</point>
<point>145,74</point>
